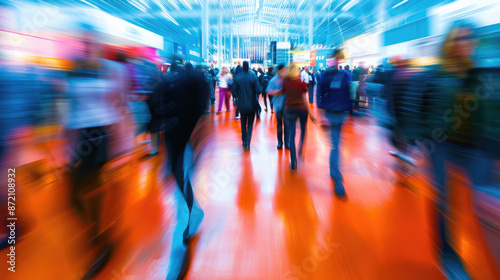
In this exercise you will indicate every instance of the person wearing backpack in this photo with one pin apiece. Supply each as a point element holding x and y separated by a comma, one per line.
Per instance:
<point>333,96</point>
<point>266,77</point>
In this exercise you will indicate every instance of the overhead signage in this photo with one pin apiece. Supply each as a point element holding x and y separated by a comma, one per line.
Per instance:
<point>283,45</point>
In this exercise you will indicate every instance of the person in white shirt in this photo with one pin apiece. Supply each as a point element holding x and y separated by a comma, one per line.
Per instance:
<point>224,93</point>
<point>306,77</point>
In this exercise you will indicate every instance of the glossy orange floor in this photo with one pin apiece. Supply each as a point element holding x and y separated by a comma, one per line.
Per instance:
<point>261,220</point>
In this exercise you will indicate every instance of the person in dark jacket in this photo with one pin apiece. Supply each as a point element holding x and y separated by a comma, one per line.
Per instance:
<point>334,97</point>
<point>264,82</point>
<point>183,104</point>
<point>453,103</point>
<point>247,89</point>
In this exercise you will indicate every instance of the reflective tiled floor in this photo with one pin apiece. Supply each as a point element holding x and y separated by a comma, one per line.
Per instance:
<point>261,220</point>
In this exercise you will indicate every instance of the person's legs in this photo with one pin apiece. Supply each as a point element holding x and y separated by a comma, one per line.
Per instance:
<point>244,120</point>
<point>251,119</point>
<point>311,93</point>
<point>264,96</point>
<point>222,97</point>
<point>291,120</point>
<point>335,121</point>
<point>279,128</point>
<point>271,102</point>
<point>227,97</point>
<point>303,126</point>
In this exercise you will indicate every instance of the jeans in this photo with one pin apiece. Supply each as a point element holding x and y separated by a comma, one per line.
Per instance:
<point>224,96</point>
<point>87,161</point>
<point>311,93</point>
<point>247,120</point>
<point>335,120</point>
<point>291,117</point>
<point>281,125</point>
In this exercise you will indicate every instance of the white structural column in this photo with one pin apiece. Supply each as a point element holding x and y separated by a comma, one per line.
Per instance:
<point>219,40</point>
<point>204,32</point>
<point>311,29</point>
<point>231,46</point>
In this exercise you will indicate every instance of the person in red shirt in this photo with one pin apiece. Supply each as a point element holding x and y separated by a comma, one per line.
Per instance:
<point>296,107</point>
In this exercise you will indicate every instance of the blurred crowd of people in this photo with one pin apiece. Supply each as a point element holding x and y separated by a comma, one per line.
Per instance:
<point>449,111</point>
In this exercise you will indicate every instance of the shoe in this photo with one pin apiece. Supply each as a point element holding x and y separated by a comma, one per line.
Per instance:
<point>207,112</point>
<point>293,166</point>
<point>265,109</point>
<point>244,144</point>
<point>98,264</point>
<point>280,146</point>
<point>272,111</point>
<point>238,117</point>
<point>451,265</point>
<point>228,110</point>
<point>287,147</point>
<point>218,112</point>
<point>247,147</point>
<point>339,189</point>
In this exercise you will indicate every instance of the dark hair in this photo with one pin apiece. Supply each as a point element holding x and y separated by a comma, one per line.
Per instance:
<point>246,66</point>
<point>270,69</point>
<point>337,53</point>
<point>281,66</point>
<point>121,57</point>
<point>189,67</point>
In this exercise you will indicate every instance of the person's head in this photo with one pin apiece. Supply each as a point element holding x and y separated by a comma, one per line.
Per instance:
<point>334,60</point>
<point>189,67</point>
<point>340,67</point>
<point>224,71</point>
<point>211,66</point>
<point>280,69</point>
<point>458,47</point>
<point>306,68</point>
<point>90,41</point>
<point>347,68</point>
<point>246,66</point>
<point>314,70</point>
<point>355,66</point>
<point>292,72</point>
<point>199,68</point>
<point>270,69</point>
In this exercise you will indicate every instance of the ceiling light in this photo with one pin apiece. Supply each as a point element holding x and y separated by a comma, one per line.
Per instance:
<point>349,5</point>
<point>400,3</point>
<point>169,17</point>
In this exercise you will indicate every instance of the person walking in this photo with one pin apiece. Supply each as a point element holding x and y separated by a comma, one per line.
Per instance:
<point>274,87</point>
<point>247,89</point>
<point>333,97</point>
<point>305,77</point>
<point>295,107</point>
<point>264,82</point>
<point>224,92</point>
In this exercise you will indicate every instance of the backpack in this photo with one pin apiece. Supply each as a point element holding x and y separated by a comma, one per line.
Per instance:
<point>333,91</point>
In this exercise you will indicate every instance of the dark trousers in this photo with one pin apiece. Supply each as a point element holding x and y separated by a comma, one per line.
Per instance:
<point>311,93</point>
<point>291,117</point>
<point>281,125</point>
<point>88,158</point>
<point>265,97</point>
<point>247,120</point>
<point>176,142</point>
